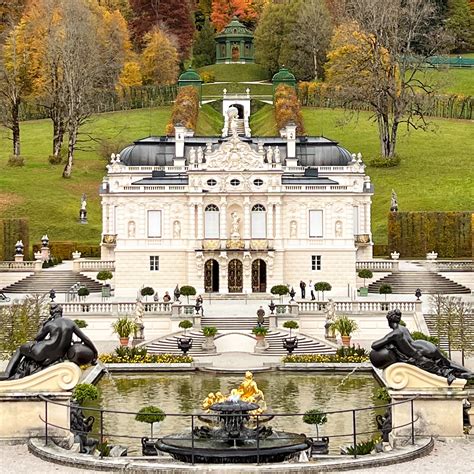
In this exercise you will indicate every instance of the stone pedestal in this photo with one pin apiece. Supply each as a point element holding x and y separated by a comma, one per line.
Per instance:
<point>261,345</point>
<point>437,409</point>
<point>45,254</point>
<point>23,413</point>
<point>209,345</point>
<point>19,258</point>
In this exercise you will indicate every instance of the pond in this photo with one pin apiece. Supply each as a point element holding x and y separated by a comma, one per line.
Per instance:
<point>285,392</point>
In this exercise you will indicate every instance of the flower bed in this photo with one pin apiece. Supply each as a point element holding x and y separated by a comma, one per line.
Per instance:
<point>140,356</point>
<point>343,355</point>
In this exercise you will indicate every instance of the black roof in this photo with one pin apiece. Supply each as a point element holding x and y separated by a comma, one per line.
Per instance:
<point>310,151</point>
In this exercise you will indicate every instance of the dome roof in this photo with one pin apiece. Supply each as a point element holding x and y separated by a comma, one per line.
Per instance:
<point>283,75</point>
<point>190,75</point>
<point>321,152</point>
<point>235,28</point>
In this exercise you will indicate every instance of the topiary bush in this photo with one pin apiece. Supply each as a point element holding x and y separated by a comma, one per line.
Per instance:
<point>315,417</point>
<point>290,325</point>
<point>280,290</point>
<point>209,331</point>
<point>147,291</point>
<point>385,289</point>
<point>187,291</point>
<point>104,275</point>
<point>185,324</point>
<point>365,274</point>
<point>150,414</point>
<point>322,286</point>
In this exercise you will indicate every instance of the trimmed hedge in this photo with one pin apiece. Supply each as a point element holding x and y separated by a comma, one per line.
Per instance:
<point>288,108</point>
<point>63,249</point>
<point>12,230</point>
<point>185,109</point>
<point>413,234</point>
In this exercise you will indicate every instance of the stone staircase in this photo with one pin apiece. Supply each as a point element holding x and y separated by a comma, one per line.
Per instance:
<point>443,336</point>
<point>60,280</point>
<point>406,282</point>
<point>240,126</point>
<point>306,344</point>
<point>237,323</point>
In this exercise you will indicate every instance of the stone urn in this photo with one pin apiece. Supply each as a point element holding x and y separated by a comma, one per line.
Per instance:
<point>185,344</point>
<point>290,344</point>
<point>346,340</point>
<point>208,345</point>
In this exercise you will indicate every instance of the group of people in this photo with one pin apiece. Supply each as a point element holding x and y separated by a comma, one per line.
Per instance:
<point>310,289</point>
<point>166,297</point>
<point>198,306</point>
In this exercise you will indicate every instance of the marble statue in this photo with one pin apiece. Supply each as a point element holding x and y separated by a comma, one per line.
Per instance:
<point>394,202</point>
<point>270,155</point>
<point>199,155</point>
<point>338,228</point>
<point>235,226</point>
<point>131,229</point>
<point>277,155</point>
<point>176,230</point>
<point>330,333</point>
<point>53,344</point>
<point>139,326</point>
<point>399,346</point>
<point>293,229</point>
<point>192,156</point>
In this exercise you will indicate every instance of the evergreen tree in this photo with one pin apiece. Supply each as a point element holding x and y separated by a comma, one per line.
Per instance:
<point>204,49</point>
<point>460,24</point>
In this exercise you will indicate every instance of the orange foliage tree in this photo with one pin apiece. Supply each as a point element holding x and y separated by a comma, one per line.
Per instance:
<point>288,108</point>
<point>185,109</point>
<point>223,11</point>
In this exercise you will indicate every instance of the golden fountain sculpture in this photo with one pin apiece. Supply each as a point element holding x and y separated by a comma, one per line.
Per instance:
<point>247,392</point>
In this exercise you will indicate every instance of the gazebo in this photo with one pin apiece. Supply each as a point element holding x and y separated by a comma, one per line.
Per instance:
<point>191,78</point>
<point>234,44</point>
<point>283,76</point>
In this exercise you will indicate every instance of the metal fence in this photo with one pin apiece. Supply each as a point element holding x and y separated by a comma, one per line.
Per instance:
<point>354,434</point>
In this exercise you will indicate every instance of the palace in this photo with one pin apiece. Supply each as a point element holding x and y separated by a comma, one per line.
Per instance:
<point>235,214</point>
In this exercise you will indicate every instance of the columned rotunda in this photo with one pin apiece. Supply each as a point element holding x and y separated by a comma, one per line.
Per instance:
<point>235,214</point>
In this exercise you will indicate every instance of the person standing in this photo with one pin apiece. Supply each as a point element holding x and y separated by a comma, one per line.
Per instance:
<point>303,289</point>
<point>260,316</point>
<point>199,303</point>
<point>311,289</point>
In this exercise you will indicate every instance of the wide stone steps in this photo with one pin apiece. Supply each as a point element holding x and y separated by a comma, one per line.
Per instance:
<point>441,331</point>
<point>306,345</point>
<point>44,281</point>
<point>406,282</point>
<point>232,323</point>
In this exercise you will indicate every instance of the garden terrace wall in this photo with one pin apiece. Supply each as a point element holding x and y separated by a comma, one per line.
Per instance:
<point>414,234</point>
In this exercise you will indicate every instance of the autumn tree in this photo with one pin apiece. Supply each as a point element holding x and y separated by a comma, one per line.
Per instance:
<point>310,36</point>
<point>15,81</point>
<point>176,16</point>
<point>272,45</point>
<point>224,10</point>
<point>204,48</point>
<point>378,60</point>
<point>160,59</point>
<point>10,14</point>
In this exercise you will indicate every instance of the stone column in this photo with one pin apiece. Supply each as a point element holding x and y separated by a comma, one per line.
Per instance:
<point>270,221</point>
<point>200,221</point>
<point>191,224</point>
<point>246,218</point>
<point>223,218</point>
<point>277,220</point>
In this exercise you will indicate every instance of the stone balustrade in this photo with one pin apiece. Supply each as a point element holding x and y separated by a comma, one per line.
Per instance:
<point>378,265</point>
<point>115,308</point>
<point>30,266</point>
<point>82,265</point>
<point>306,307</point>
<point>453,265</point>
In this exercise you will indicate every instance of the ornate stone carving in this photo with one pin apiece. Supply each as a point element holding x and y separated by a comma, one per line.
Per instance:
<point>56,378</point>
<point>109,239</point>
<point>234,155</point>
<point>293,229</point>
<point>131,229</point>
<point>402,376</point>
<point>235,244</point>
<point>211,244</point>
<point>338,228</point>
<point>259,244</point>
<point>176,230</point>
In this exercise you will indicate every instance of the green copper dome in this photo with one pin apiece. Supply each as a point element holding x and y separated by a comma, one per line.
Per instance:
<point>190,75</point>
<point>283,75</point>
<point>235,28</point>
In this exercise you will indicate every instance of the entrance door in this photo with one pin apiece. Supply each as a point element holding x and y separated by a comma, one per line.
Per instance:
<point>259,276</point>
<point>236,280</point>
<point>235,53</point>
<point>211,276</point>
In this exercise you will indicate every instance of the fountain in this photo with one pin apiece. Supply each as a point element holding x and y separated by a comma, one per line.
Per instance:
<point>235,433</point>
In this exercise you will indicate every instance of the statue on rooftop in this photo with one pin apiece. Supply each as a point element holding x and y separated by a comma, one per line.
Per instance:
<point>399,346</point>
<point>53,344</point>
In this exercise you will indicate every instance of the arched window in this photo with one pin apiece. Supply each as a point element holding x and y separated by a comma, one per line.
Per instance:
<point>211,222</point>
<point>259,222</point>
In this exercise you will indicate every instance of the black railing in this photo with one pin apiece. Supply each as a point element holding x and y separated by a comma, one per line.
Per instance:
<point>354,434</point>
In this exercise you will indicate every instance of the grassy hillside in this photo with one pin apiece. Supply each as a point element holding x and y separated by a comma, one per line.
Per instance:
<point>210,121</point>
<point>237,72</point>
<point>262,122</point>
<point>37,190</point>
<point>435,172</point>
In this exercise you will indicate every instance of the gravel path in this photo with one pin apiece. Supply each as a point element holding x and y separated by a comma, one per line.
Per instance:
<point>446,458</point>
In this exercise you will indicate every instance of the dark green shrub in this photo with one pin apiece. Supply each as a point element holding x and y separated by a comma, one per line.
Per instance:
<point>83,291</point>
<point>385,289</point>
<point>383,162</point>
<point>365,273</point>
<point>290,325</point>
<point>150,414</point>
<point>260,331</point>
<point>418,335</point>
<point>322,286</point>
<point>361,449</point>
<point>187,291</point>
<point>209,331</point>
<point>315,417</point>
<point>104,275</point>
<point>351,351</point>
<point>16,161</point>
<point>80,323</point>
<point>147,291</point>
<point>185,324</point>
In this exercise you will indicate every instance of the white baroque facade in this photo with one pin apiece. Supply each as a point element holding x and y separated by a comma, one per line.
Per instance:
<point>235,215</point>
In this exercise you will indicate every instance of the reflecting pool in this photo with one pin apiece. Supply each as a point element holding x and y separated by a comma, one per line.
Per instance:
<point>285,392</point>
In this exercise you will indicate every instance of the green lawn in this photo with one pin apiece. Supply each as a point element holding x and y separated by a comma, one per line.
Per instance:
<point>212,89</point>
<point>210,122</point>
<point>237,72</point>
<point>37,190</point>
<point>262,122</point>
<point>455,80</point>
<point>436,172</point>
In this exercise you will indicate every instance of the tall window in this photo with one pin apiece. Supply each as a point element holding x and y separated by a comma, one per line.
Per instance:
<point>154,223</point>
<point>315,223</point>
<point>154,263</point>
<point>211,222</point>
<point>259,222</point>
<point>315,262</point>
<point>356,220</point>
